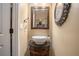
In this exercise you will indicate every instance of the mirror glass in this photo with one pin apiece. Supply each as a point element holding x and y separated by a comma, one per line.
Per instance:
<point>59,11</point>
<point>39,18</point>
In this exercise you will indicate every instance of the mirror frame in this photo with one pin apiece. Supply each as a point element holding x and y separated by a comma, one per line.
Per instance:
<point>39,7</point>
<point>65,13</point>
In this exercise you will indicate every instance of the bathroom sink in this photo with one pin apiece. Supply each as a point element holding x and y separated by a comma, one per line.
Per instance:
<point>40,39</point>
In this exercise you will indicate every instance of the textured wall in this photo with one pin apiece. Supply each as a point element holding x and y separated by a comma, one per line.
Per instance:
<point>23,31</point>
<point>66,37</point>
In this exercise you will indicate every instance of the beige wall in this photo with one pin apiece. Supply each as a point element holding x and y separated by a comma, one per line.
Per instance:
<point>23,28</point>
<point>37,31</point>
<point>66,37</point>
<point>45,32</point>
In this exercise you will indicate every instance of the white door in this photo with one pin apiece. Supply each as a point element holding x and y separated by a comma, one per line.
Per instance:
<point>4,29</point>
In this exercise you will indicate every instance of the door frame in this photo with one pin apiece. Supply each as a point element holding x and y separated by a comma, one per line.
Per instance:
<point>15,51</point>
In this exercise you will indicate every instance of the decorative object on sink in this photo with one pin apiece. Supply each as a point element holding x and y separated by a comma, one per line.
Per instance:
<point>39,17</point>
<point>61,13</point>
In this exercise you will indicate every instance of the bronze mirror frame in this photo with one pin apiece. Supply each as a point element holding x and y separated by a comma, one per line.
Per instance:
<point>47,17</point>
<point>64,14</point>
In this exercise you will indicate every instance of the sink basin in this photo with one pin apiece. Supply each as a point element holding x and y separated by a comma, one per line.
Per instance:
<point>40,39</point>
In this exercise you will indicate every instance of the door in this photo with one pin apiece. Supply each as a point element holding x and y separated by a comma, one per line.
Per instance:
<point>4,29</point>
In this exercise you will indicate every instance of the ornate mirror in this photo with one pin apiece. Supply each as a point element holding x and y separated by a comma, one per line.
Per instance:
<point>61,13</point>
<point>39,17</point>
